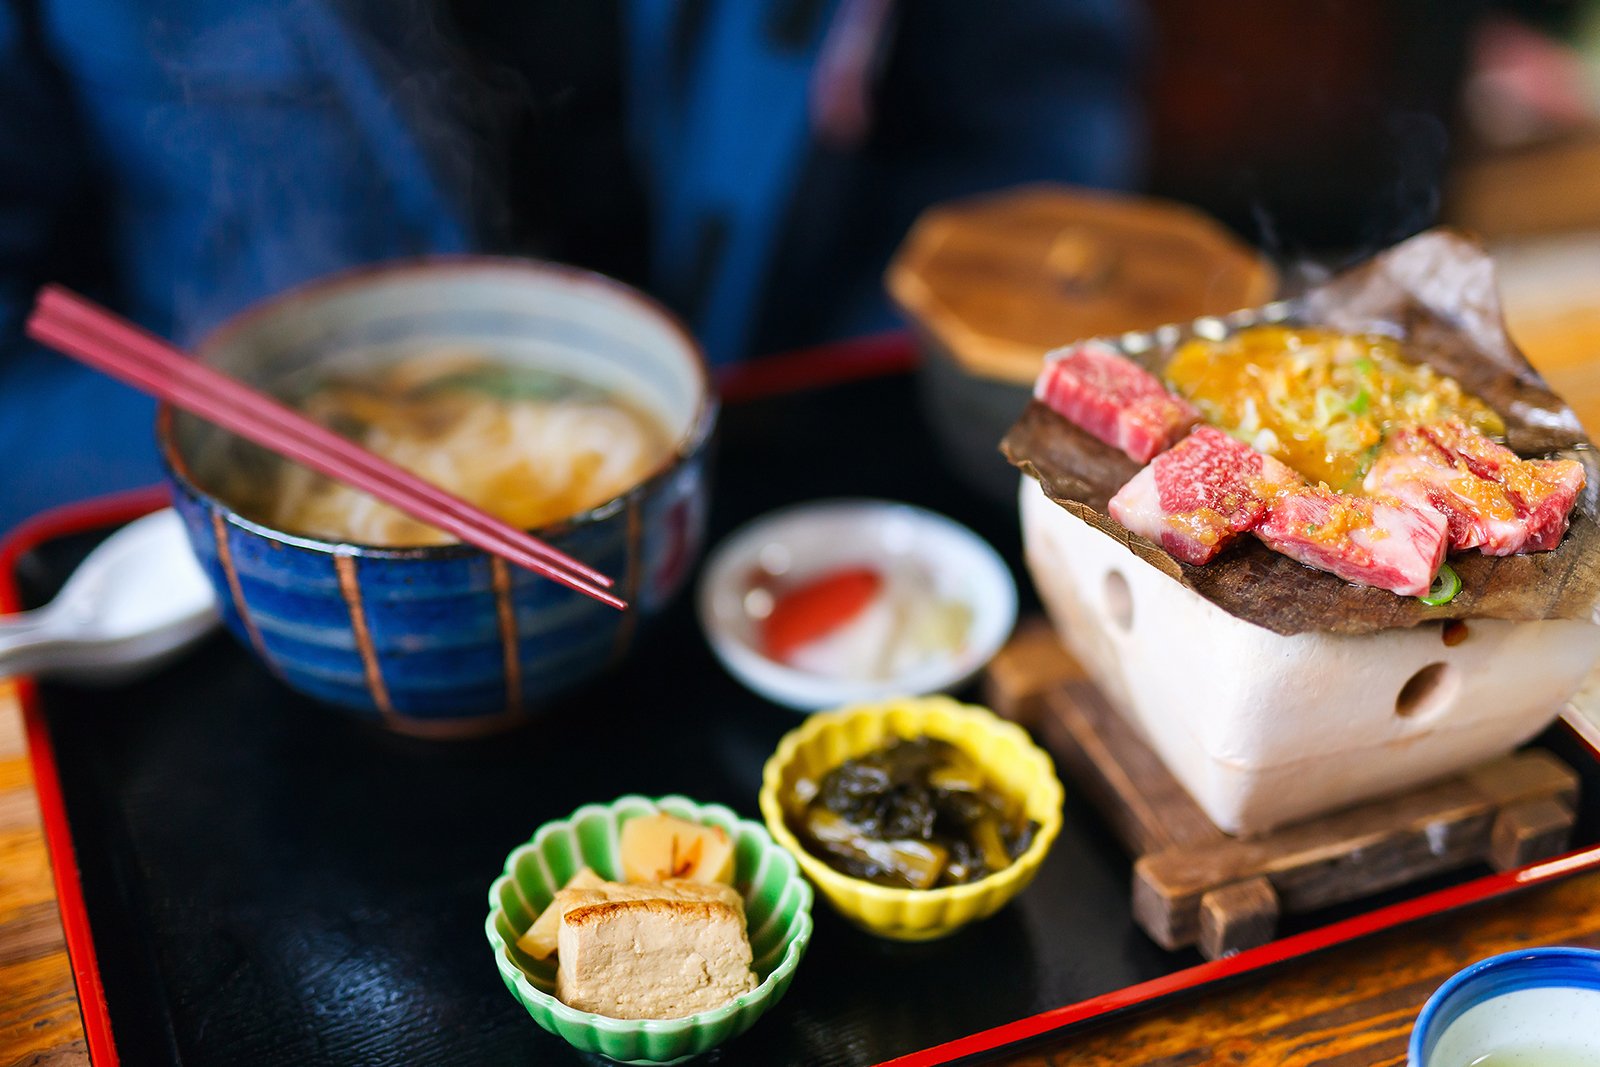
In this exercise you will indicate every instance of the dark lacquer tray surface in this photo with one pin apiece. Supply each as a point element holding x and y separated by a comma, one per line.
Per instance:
<point>267,883</point>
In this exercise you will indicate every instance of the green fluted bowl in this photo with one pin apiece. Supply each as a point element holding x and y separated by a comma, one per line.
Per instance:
<point>777,905</point>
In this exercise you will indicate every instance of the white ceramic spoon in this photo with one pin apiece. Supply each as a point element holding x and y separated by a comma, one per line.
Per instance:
<point>136,602</point>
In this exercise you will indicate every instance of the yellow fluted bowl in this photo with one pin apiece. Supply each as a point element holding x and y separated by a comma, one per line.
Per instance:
<point>1014,764</point>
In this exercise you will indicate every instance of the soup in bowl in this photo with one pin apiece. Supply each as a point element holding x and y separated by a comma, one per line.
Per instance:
<point>557,400</point>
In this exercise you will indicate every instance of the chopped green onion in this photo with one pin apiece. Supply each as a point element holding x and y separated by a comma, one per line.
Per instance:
<point>1358,406</point>
<point>1327,404</point>
<point>1445,587</point>
<point>1364,366</point>
<point>1369,456</point>
<point>506,382</point>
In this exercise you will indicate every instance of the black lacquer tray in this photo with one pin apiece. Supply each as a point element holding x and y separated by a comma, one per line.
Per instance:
<point>259,881</point>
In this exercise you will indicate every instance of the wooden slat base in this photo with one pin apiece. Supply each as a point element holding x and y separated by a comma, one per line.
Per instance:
<point>1195,885</point>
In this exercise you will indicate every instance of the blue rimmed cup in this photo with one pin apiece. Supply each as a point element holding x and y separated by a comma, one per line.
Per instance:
<point>445,640</point>
<point>1536,1005</point>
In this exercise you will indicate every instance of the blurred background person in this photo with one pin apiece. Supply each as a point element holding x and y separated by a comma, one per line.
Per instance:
<point>752,162</point>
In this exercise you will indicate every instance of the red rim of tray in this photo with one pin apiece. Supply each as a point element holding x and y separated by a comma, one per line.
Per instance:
<point>60,522</point>
<point>770,376</point>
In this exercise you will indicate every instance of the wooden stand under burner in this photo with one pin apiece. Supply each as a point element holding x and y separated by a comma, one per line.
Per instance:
<point>1195,885</point>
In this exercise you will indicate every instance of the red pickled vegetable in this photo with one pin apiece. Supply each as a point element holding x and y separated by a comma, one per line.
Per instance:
<point>818,607</point>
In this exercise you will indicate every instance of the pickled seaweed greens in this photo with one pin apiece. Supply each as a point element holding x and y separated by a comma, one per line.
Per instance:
<point>917,814</point>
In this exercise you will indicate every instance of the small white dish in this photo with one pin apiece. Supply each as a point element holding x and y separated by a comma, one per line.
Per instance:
<point>815,538</point>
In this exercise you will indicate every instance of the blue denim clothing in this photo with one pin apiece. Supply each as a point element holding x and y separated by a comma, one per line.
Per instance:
<point>180,159</point>
<point>973,97</point>
<point>229,149</point>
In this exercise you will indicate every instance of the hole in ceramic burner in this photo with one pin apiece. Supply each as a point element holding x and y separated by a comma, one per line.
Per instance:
<point>1119,601</point>
<point>1428,689</point>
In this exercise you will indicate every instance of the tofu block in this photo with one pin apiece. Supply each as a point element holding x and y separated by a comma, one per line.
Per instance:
<point>587,888</point>
<point>653,959</point>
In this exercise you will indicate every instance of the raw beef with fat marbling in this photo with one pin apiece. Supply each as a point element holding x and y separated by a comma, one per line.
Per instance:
<point>1197,497</point>
<point>1114,399</point>
<point>1366,540</point>
<point>1492,499</point>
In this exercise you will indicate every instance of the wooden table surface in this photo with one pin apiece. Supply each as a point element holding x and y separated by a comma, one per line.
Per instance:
<point>39,1022</point>
<point>1350,1007</point>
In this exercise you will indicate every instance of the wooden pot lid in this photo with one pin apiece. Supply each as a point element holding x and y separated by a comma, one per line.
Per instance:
<point>1001,279</point>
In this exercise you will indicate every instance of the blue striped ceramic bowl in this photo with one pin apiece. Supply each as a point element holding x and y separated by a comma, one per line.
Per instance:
<point>1531,1006</point>
<point>447,640</point>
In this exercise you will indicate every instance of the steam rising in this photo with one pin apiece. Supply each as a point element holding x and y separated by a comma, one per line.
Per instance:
<point>329,135</point>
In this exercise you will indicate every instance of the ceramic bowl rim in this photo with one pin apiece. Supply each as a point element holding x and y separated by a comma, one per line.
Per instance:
<point>1467,977</point>
<point>692,442</point>
<point>981,717</point>
<point>792,687</point>
<point>793,952</point>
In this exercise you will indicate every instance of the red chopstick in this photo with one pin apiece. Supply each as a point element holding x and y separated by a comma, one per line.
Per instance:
<point>84,330</point>
<point>89,318</point>
<point>92,334</point>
